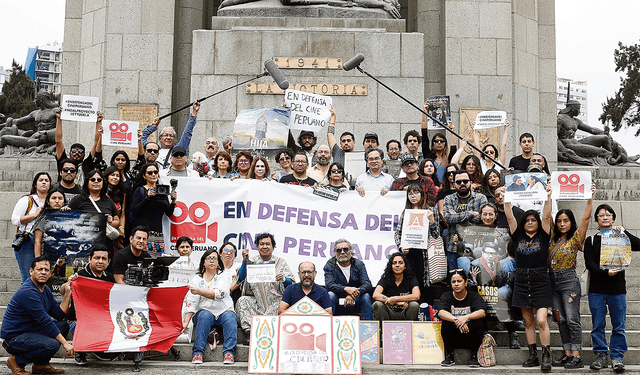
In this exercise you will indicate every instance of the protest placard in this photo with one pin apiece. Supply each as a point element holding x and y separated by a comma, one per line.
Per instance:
<point>261,273</point>
<point>525,187</point>
<point>428,347</point>
<point>79,108</point>
<point>369,341</point>
<point>120,133</point>
<point>259,129</point>
<point>440,108</point>
<point>490,119</point>
<point>615,250</point>
<point>415,229</point>
<point>354,164</point>
<point>396,341</point>
<point>308,111</point>
<point>571,185</point>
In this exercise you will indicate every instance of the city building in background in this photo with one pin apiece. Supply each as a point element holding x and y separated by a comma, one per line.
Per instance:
<point>45,63</point>
<point>4,77</point>
<point>578,91</point>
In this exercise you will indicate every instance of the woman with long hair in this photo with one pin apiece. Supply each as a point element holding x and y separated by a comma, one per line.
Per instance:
<point>490,182</point>
<point>24,213</point>
<point>462,313</point>
<point>118,194</point>
<point>222,166</point>
<point>335,176</point>
<point>428,168</point>
<point>418,258</point>
<point>566,241</point>
<point>397,294</point>
<point>148,207</point>
<point>209,304</point>
<point>242,164</point>
<point>532,287</point>
<point>259,169</point>
<point>471,164</point>
<point>55,201</point>
<point>121,161</point>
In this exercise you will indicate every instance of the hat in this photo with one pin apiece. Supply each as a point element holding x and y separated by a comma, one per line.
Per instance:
<point>306,132</point>
<point>408,158</point>
<point>371,135</point>
<point>534,167</point>
<point>177,150</point>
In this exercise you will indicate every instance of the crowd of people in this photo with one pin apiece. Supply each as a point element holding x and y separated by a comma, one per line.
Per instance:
<point>534,273</point>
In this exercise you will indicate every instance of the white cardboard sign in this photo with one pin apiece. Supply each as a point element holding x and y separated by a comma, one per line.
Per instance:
<point>120,133</point>
<point>490,119</point>
<point>571,185</point>
<point>308,111</point>
<point>80,108</point>
<point>415,229</point>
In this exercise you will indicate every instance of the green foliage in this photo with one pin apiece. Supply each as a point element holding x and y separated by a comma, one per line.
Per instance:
<point>623,109</point>
<point>18,94</point>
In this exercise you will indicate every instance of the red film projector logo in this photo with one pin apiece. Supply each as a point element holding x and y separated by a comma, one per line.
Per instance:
<point>302,338</point>
<point>120,132</point>
<point>197,229</point>
<point>570,184</point>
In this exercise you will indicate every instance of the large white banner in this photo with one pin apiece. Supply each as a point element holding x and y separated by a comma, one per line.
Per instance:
<point>305,226</point>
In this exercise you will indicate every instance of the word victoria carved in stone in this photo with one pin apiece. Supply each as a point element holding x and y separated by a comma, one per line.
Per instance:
<point>353,89</point>
<point>308,62</point>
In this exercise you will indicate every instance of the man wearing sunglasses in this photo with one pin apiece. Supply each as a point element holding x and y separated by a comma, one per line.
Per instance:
<point>167,137</point>
<point>67,179</point>
<point>77,150</point>
<point>347,281</point>
<point>461,208</point>
<point>178,166</point>
<point>149,154</point>
<point>305,288</point>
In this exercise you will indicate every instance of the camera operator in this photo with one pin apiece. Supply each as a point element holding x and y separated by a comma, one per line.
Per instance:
<point>131,255</point>
<point>150,202</point>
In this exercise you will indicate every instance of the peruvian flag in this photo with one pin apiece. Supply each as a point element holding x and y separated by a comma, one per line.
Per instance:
<point>125,318</point>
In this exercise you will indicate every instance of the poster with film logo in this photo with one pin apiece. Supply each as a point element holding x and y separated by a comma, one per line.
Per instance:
<point>120,133</point>
<point>615,250</point>
<point>571,185</point>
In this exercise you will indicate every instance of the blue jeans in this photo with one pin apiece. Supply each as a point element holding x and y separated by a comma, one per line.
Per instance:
<point>618,313</point>
<point>204,320</point>
<point>362,304</point>
<point>452,260</point>
<point>35,347</point>
<point>25,256</point>
<point>566,301</point>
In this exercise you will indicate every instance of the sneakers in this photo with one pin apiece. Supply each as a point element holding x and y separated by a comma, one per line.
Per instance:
<point>80,359</point>
<point>599,361</point>
<point>229,359</point>
<point>212,340</point>
<point>617,365</point>
<point>449,361</point>
<point>575,362</point>
<point>473,361</point>
<point>197,359</point>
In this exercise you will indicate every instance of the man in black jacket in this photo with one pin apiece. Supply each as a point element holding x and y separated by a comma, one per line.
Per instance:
<point>607,288</point>
<point>347,281</point>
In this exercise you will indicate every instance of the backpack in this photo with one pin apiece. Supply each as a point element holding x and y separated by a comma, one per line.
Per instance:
<point>486,357</point>
<point>437,260</point>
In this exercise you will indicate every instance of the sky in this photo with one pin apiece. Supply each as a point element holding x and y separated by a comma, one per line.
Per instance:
<point>587,33</point>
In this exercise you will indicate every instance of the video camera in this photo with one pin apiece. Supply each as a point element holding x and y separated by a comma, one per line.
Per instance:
<point>166,189</point>
<point>150,272</point>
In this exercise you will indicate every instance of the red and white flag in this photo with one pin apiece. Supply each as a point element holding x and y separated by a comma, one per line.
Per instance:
<point>123,318</point>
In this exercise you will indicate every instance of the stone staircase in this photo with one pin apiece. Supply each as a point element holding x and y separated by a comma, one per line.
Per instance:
<point>16,176</point>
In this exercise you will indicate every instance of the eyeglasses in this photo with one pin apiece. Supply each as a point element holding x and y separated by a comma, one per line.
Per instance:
<point>377,158</point>
<point>439,141</point>
<point>336,171</point>
<point>342,250</point>
<point>306,272</point>
<point>414,192</point>
<point>151,173</point>
<point>231,251</point>
<point>285,158</point>
<point>211,259</point>
<point>608,214</point>
<point>152,151</point>
<point>243,161</point>
<point>167,136</point>
<point>69,170</point>
<point>393,149</point>
<point>489,152</point>
<point>178,154</point>
<point>461,182</point>
<point>95,179</point>
<point>300,162</point>
<point>77,149</point>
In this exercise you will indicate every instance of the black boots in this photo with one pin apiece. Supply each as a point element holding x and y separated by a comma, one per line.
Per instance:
<point>533,357</point>
<point>546,358</point>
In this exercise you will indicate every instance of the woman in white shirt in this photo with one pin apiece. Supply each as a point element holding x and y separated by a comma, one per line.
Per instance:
<point>209,304</point>
<point>24,214</point>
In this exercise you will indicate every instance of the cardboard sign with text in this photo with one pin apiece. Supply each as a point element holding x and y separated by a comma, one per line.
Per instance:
<point>79,108</point>
<point>308,111</point>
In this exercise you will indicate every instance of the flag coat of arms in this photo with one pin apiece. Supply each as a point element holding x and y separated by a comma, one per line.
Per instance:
<point>124,318</point>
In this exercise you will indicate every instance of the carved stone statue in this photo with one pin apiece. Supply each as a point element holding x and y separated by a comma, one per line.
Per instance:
<point>35,131</point>
<point>597,149</point>
<point>392,7</point>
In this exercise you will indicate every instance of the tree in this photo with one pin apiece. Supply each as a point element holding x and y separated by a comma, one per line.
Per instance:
<point>623,109</point>
<point>18,94</point>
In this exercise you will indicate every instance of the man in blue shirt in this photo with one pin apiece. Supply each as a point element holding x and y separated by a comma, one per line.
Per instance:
<point>306,287</point>
<point>33,327</point>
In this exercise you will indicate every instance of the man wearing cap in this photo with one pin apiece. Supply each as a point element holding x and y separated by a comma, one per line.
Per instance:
<point>307,141</point>
<point>410,168</point>
<point>77,150</point>
<point>168,136</point>
<point>178,166</point>
<point>370,141</point>
<point>374,179</point>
